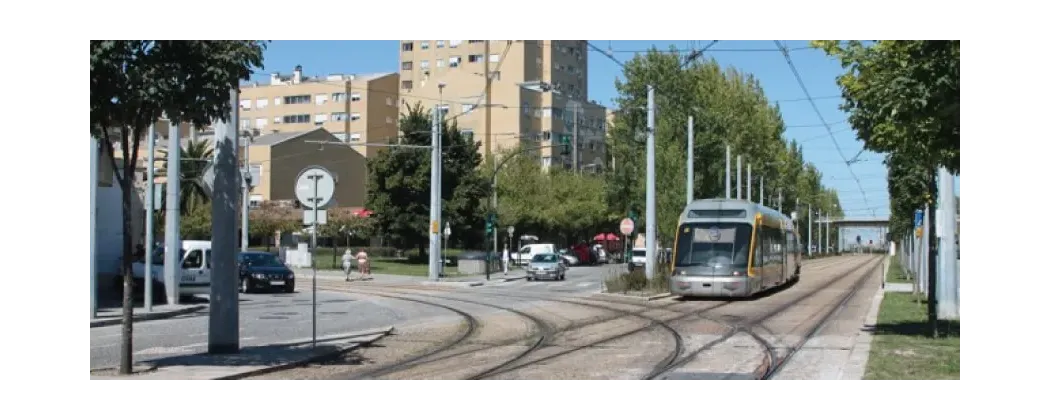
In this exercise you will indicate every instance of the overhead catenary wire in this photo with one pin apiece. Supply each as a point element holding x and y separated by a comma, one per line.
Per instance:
<point>798,77</point>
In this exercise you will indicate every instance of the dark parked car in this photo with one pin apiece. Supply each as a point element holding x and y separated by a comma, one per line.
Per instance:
<point>264,271</point>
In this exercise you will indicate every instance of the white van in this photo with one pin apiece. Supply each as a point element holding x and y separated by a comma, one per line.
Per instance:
<point>526,252</point>
<point>196,268</point>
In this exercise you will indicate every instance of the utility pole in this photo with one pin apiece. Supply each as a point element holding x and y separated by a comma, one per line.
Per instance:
<point>729,165</point>
<point>762,190</point>
<point>346,122</point>
<point>223,331</point>
<point>575,132</point>
<point>246,187</point>
<point>689,163</point>
<point>749,182</point>
<point>172,241</point>
<point>780,200</point>
<point>147,295</point>
<point>95,144</point>
<point>948,299</point>
<point>819,238</point>
<point>488,106</point>
<point>809,233</point>
<point>739,176</point>
<point>650,188</point>
<point>435,193</point>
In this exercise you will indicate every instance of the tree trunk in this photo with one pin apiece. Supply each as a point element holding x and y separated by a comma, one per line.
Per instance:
<point>126,330</point>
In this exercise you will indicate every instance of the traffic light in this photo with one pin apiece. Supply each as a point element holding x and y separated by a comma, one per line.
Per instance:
<point>490,223</point>
<point>566,144</point>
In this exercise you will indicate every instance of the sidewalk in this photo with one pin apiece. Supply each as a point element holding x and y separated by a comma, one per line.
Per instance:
<point>112,316</point>
<point>249,361</point>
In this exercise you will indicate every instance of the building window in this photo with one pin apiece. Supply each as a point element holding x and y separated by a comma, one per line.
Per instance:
<point>390,101</point>
<point>297,99</point>
<point>406,46</point>
<point>441,44</point>
<point>439,63</point>
<point>296,119</point>
<point>424,64</point>
<point>339,116</point>
<point>321,99</point>
<point>246,104</point>
<point>389,120</point>
<point>406,84</point>
<point>406,65</point>
<point>546,112</point>
<point>320,119</point>
<point>260,123</point>
<point>493,58</point>
<point>277,100</point>
<point>525,108</point>
<point>453,61</point>
<point>277,120</point>
<point>467,108</point>
<point>354,97</point>
<point>355,136</point>
<point>261,103</point>
<point>355,116</point>
<point>246,124</point>
<point>443,109</point>
<point>475,41</point>
<point>255,200</point>
<point>424,45</point>
<point>454,43</point>
<point>474,58</point>
<point>468,134</point>
<point>338,97</point>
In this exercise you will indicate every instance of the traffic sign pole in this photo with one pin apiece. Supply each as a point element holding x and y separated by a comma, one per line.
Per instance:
<point>314,187</point>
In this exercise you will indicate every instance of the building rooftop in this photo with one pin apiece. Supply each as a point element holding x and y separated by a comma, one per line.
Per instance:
<point>277,138</point>
<point>297,77</point>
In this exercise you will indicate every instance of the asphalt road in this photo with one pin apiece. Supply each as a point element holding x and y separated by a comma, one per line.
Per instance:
<point>264,319</point>
<point>578,280</point>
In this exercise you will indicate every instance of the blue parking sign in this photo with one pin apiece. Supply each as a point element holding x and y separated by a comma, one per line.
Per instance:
<point>918,218</point>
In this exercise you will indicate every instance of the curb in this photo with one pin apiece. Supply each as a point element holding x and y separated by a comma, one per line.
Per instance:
<point>149,316</point>
<point>453,283</point>
<point>613,297</point>
<point>323,357</point>
<point>857,365</point>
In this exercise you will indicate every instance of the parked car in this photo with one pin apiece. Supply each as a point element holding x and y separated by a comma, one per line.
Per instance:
<point>568,257</point>
<point>546,266</point>
<point>264,271</point>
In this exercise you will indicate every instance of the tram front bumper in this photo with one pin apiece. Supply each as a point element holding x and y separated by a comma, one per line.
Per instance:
<point>710,286</point>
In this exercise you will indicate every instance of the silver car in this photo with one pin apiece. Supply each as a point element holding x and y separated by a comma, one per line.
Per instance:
<point>546,266</point>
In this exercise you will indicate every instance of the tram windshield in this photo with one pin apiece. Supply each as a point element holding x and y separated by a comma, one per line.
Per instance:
<point>710,244</point>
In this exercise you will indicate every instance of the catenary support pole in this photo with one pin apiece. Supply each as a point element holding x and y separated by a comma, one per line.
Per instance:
<point>223,325</point>
<point>172,240</point>
<point>147,296</point>
<point>650,188</point>
<point>729,157</point>
<point>739,176</point>
<point>435,194</point>
<point>689,172</point>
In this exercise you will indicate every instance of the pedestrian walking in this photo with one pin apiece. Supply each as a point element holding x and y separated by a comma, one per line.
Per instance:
<point>362,263</point>
<point>348,263</point>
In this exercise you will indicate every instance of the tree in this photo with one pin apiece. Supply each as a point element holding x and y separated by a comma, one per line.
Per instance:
<point>464,188</point>
<point>399,184</point>
<point>134,83</point>
<point>903,96</point>
<point>195,157</point>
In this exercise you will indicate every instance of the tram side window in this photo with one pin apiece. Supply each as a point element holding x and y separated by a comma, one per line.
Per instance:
<point>760,251</point>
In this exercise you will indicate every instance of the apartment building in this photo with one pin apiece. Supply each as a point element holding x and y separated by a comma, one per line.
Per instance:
<point>538,94</point>
<point>358,109</point>
<point>276,159</point>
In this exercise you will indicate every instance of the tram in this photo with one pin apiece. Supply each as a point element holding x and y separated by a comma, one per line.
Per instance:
<point>733,248</point>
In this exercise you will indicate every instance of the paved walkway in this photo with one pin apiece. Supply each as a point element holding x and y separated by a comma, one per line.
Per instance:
<point>113,316</point>
<point>304,275</point>
<point>249,361</point>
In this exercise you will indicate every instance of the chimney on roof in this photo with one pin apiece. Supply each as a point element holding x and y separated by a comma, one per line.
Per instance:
<point>297,76</point>
<point>275,78</point>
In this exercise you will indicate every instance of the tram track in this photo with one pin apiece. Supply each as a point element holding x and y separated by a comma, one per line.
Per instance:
<point>675,358</point>
<point>745,326</point>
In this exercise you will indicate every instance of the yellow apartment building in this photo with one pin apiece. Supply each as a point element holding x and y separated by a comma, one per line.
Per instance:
<point>300,103</point>
<point>538,94</point>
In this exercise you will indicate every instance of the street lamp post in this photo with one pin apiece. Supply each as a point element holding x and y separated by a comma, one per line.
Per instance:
<point>510,239</point>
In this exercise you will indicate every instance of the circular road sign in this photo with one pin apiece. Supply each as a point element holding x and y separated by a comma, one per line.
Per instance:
<point>627,226</point>
<point>304,187</point>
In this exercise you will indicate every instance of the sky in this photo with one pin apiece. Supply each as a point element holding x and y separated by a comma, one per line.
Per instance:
<point>861,192</point>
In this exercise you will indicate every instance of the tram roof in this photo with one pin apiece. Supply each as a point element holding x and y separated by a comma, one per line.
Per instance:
<point>715,206</point>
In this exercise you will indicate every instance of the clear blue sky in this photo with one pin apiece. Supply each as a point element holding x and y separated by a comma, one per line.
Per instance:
<point>757,57</point>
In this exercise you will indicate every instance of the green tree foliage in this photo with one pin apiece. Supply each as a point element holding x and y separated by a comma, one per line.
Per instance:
<point>903,100</point>
<point>194,158</point>
<point>553,203</point>
<point>133,83</point>
<point>399,184</point>
<point>729,108</point>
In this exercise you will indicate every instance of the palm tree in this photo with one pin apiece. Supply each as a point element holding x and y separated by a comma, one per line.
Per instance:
<point>195,157</point>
